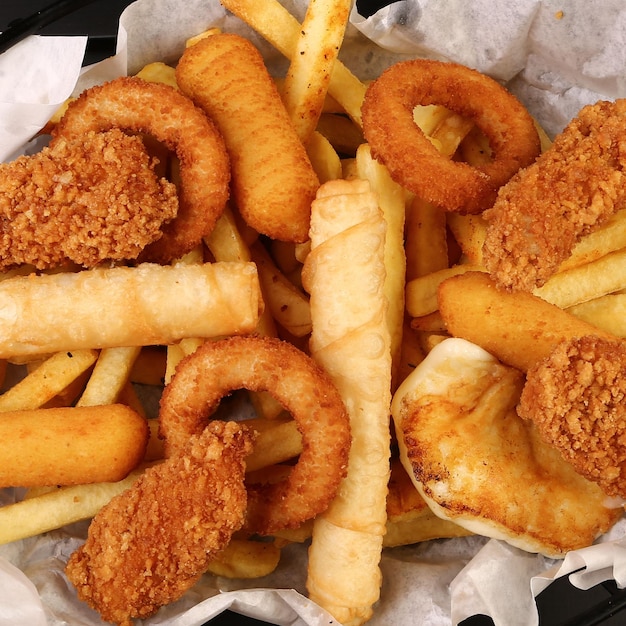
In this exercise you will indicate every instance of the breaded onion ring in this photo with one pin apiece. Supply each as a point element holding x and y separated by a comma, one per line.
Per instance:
<point>136,105</point>
<point>577,399</point>
<point>305,390</point>
<point>414,162</point>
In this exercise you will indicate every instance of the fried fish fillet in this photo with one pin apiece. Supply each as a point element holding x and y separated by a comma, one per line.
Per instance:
<point>154,541</point>
<point>478,464</point>
<point>88,200</point>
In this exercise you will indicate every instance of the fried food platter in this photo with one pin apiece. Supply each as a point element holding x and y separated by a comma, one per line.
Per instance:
<point>398,582</point>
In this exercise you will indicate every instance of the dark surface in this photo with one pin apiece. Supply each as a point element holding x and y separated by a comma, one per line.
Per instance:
<point>560,604</point>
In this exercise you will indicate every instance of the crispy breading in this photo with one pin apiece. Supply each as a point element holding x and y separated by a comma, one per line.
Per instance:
<point>86,201</point>
<point>544,210</point>
<point>577,398</point>
<point>154,541</point>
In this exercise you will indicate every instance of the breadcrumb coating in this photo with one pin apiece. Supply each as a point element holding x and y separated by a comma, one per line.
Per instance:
<point>544,210</point>
<point>154,541</point>
<point>85,201</point>
<point>577,398</point>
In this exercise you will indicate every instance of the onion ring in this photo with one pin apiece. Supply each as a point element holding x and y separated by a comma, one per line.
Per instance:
<point>304,389</point>
<point>136,105</point>
<point>414,162</point>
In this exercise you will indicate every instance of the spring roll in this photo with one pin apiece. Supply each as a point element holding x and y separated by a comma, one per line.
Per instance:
<point>345,275</point>
<point>123,306</point>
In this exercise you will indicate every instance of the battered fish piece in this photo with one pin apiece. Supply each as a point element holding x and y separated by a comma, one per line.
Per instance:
<point>545,209</point>
<point>154,541</point>
<point>88,200</point>
<point>577,398</point>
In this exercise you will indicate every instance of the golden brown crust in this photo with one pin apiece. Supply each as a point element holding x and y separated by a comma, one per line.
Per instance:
<point>300,385</point>
<point>86,200</point>
<point>415,163</point>
<point>273,180</point>
<point>132,104</point>
<point>577,398</point>
<point>544,210</point>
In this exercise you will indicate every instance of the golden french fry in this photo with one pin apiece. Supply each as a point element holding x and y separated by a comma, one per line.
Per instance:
<point>431,323</point>
<point>48,380</point>
<point>128,396</point>
<point>606,312</point>
<point>289,306</point>
<point>158,72</point>
<point>278,442</point>
<point>323,157</point>
<point>426,239</point>
<point>225,241</point>
<point>586,282</point>
<point>110,374</point>
<point>343,134</point>
<point>421,292</point>
<point>275,24</point>
<point>469,232</point>
<point>245,558</point>
<point>57,508</point>
<point>519,328</point>
<point>312,61</point>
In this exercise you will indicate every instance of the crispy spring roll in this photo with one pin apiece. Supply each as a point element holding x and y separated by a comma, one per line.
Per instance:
<point>345,275</point>
<point>272,178</point>
<point>120,307</point>
<point>70,445</point>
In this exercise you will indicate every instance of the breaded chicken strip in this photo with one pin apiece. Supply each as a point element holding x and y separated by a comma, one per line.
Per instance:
<point>89,200</point>
<point>577,398</point>
<point>542,212</point>
<point>154,541</point>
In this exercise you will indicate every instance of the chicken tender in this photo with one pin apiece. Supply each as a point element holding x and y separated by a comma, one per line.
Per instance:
<point>577,398</point>
<point>86,201</point>
<point>154,541</point>
<point>544,210</point>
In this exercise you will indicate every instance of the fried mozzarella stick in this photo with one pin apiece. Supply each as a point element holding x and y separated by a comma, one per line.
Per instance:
<point>345,275</point>
<point>273,181</point>
<point>70,445</point>
<point>126,306</point>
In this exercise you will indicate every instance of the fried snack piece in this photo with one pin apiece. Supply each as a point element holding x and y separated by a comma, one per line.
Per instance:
<point>154,541</point>
<point>345,275</point>
<point>479,465</point>
<point>158,110</point>
<point>273,180</point>
<point>543,211</point>
<point>577,399</point>
<point>126,306</point>
<point>414,162</point>
<point>86,200</point>
<point>70,446</point>
<point>300,385</point>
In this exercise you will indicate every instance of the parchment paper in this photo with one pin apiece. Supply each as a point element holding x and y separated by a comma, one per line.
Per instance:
<point>555,63</point>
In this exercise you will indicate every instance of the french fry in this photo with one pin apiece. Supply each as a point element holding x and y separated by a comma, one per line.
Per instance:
<point>421,292</point>
<point>586,282</point>
<point>110,374</point>
<point>57,508</point>
<point>312,62</point>
<point>606,312</point>
<point>342,133</point>
<point>275,444</point>
<point>159,72</point>
<point>469,232</point>
<point>275,24</point>
<point>225,241</point>
<point>289,306</point>
<point>519,328</point>
<point>245,558</point>
<point>323,157</point>
<point>48,380</point>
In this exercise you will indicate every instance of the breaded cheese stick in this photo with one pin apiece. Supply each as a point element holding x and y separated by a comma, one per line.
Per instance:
<point>273,180</point>
<point>70,445</point>
<point>345,275</point>
<point>126,306</point>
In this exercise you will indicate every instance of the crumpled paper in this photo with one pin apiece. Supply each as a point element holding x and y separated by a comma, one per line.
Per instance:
<point>555,63</point>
